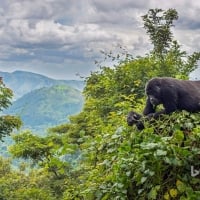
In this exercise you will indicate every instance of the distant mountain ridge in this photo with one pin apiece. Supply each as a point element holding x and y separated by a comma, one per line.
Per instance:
<point>47,106</point>
<point>22,82</point>
<point>42,102</point>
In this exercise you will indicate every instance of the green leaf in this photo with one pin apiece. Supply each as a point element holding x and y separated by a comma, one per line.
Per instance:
<point>180,186</point>
<point>178,136</point>
<point>153,193</point>
<point>143,179</point>
<point>160,152</point>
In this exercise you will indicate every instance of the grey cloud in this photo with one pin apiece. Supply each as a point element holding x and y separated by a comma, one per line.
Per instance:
<point>50,35</point>
<point>58,33</point>
<point>118,5</point>
<point>189,20</point>
<point>36,9</point>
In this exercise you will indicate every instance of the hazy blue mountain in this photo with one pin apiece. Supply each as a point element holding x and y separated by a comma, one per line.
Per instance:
<point>22,82</point>
<point>47,106</point>
<point>41,102</point>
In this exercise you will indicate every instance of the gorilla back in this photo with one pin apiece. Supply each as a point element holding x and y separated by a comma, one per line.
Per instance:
<point>174,94</point>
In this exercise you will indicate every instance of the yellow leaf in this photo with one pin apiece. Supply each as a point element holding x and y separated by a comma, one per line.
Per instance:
<point>166,196</point>
<point>178,182</point>
<point>173,192</point>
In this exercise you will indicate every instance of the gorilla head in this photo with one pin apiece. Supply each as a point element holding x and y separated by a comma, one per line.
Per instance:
<point>153,91</point>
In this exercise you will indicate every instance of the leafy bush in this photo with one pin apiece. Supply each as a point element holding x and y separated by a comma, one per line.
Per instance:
<point>152,164</point>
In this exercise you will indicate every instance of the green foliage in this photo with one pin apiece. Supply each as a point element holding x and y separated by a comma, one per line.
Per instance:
<point>7,122</point>
<point>44,151</point>
<point>5,96</point>
<point>19,185</point>
<point>124,163</point>
<point>163,156</point>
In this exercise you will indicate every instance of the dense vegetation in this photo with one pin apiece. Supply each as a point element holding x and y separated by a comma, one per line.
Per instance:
<point>96,155</point>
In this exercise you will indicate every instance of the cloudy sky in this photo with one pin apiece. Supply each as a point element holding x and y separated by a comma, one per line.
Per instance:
<point>60,38</point>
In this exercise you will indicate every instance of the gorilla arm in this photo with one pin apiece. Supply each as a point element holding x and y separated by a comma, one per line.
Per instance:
<point>149,108</point>
<point>166,96</point>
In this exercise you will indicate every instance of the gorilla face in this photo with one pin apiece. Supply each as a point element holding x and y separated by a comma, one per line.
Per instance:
<point>153,93</point>
<point>154,101</point>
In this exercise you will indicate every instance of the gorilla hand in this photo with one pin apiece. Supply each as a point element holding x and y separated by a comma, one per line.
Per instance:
<point>134,118</point>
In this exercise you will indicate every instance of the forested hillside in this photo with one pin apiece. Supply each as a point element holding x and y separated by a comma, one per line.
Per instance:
<point>96,155</point>
<point>47,106</point>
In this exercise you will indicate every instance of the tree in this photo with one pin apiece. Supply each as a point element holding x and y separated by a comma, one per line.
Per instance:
<point>158,26</point>
<point>46,153</point>
<point>166,51</point>
<point>17,184</point>
<point>7,122</point>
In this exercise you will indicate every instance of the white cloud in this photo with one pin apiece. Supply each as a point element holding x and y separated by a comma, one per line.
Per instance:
<point>58,34</point>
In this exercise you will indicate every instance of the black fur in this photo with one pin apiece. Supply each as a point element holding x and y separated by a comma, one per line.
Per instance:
<point>134,118</point>
<point>174,94</point>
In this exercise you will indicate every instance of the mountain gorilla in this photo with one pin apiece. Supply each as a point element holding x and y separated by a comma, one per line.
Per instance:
<point>174,94</point>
